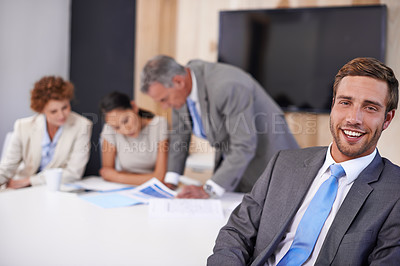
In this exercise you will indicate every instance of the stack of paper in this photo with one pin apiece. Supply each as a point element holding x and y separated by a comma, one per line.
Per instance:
<point>162,205</point>
<point>150,190</point>
<point>96,183</point>
<point>110,200</point>
<point>118,195</point>
<point>185,208</point>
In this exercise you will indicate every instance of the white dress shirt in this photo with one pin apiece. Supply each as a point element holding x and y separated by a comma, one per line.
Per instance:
<point>352,168</point>
<point>49,146</point>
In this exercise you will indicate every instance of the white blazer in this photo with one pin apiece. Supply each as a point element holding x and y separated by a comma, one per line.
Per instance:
<point>23,154</point>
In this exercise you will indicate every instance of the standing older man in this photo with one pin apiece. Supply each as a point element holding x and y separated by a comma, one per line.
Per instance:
<point>224,105</point>
<point>338,205</point>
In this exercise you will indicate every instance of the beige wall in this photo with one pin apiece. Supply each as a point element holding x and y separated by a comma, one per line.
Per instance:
<point>187,29</point>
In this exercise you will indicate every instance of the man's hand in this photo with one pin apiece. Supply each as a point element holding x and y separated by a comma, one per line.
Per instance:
<point>19,183</point>
<point>193,192</point>
<point>171,186</point>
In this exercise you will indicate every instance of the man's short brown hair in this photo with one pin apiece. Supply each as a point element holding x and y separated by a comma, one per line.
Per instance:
<point>371,67</point>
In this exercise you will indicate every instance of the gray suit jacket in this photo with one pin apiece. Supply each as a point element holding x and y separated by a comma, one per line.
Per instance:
<point>242,122</point>
<point>366,229</point>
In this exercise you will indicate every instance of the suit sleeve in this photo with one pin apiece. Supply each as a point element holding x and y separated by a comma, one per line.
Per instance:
<point>387,249</point>
<point>179,141</point>
<point>13,155</point>
<point>236,240</point>
<point>236,106</point>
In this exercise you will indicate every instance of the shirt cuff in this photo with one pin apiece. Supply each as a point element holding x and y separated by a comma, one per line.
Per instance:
<point>38,179</point>
<point>172,178</point>
<point>217,189</point>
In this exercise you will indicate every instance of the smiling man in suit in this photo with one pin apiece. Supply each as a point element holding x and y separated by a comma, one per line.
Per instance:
<point>279,222</point>
<point>225,106</point>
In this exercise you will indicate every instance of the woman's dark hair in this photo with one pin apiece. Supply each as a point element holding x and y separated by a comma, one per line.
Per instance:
<point>117,100</point>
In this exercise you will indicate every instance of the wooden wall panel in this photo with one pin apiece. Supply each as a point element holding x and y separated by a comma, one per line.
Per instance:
<point>389,144</point>
<point>155,34</point>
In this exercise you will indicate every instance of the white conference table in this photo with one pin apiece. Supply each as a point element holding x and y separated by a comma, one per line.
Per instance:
<point>40,227</point>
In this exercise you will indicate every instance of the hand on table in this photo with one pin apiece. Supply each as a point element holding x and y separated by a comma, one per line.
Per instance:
<point>171,186</point>
<point>19,183</point>
<point>192,192</point>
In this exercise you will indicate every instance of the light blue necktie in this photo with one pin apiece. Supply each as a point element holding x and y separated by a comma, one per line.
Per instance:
<point>313,219</point>
<point>198,129</point>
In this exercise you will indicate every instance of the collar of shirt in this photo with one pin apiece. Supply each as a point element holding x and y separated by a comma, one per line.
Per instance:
<point>352,167</point>
<point>193,94</point>
<point>46,142</point>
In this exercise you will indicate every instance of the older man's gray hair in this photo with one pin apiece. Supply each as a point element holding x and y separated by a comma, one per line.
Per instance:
<point>162,69</point>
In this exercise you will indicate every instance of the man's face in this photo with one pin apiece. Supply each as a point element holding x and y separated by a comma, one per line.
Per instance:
<point>358,117</point>
<point>174,97</point>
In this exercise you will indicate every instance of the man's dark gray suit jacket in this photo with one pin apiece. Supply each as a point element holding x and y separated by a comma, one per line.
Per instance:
<point>365,231</point>
<point>242,122</point>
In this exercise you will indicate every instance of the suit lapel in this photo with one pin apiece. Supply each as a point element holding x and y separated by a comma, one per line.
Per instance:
<point>308,174</point>
<point>292,200</point>
<point>38,131</point>
<point>204,103</point>
<point>353,202</point>
<point>183,115</point>
<point>63,143</point>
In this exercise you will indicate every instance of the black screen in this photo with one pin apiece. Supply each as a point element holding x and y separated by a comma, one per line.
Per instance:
<point>295,53</point>
<point>102,59</point>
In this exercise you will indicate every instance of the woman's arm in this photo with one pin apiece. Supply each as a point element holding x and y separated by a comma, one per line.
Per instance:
<point>108,153</point>
<point>12,159</point>
<point>109,173</point>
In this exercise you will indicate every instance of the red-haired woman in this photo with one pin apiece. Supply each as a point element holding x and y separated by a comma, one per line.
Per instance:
<point>55,137</point>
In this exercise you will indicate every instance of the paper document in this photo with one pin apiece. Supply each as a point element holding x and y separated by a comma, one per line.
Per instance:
<point>96,183</point>
<point>110,200</point>
<point>185,208</point>
<point>153,188</point>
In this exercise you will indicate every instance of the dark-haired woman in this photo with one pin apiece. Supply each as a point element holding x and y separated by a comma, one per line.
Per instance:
<point>136,139</point>
<point>55,137</point>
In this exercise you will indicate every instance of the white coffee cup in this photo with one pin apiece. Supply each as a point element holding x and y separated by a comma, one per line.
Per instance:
<point>53,178</point>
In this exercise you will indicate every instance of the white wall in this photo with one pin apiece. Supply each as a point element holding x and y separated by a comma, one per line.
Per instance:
<point>34,41</point>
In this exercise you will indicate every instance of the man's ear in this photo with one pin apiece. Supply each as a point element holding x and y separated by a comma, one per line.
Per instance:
<point>388,119</point>
<point>179,81</point>
<point>333,102</point>
<point>135,108</point>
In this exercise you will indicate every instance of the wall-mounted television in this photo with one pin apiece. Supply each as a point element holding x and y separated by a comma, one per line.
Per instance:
<point>295,53</point>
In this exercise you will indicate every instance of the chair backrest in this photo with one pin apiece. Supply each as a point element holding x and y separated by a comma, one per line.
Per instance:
<point>6,142</point>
